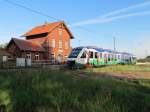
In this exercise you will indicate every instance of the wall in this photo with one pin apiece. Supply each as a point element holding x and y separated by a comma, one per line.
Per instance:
<point>14,50</point>
<point>41,55</point>
<point>65,37</point>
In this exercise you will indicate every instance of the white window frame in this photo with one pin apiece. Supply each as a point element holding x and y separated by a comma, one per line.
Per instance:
<point>37,56</point>
<point>28,55</point>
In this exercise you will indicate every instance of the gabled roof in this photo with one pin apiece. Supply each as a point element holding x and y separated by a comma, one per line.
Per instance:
<point>27,45</point>
<point>46,28</point>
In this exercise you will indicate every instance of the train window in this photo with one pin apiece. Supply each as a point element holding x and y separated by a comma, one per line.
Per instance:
<point>115,57</point>
<point>96,54</point>
<point>111,57</point>
<point>74,53</point>
<point>83,55</point>
<point>91,54</point>
<point>118,56</point>
<point>108,57</point>
<point>100,55</point>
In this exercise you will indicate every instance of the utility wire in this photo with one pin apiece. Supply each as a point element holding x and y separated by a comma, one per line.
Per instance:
<point>45,15</point>
<point>31,10</point>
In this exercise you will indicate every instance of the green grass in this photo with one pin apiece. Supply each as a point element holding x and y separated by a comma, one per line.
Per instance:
<point>122,68</point>
<point>66,91</point>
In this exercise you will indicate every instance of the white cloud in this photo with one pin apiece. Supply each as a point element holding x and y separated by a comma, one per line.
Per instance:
<point>112,15</point>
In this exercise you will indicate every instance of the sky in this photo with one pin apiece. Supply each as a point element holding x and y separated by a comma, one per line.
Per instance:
<point>92,22</point>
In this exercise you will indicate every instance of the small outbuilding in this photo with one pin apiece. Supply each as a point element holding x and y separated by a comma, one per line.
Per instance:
<point>4,55</point>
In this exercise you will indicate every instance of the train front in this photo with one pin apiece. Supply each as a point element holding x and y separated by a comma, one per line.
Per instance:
<point>71,61</point>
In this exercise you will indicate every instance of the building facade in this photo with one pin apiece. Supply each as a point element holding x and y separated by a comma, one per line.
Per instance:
<point>49,42</point>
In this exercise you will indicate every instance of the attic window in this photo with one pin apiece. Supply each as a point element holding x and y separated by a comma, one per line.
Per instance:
<point>60,32</point>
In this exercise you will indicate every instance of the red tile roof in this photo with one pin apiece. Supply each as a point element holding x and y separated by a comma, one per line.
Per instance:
<point>27,45</point>
<point>43,28</point>
<point>46,28</point>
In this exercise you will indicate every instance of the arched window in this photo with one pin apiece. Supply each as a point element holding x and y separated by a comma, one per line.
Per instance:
<point>28,55</point>
<point>53,43</point>
<point>37,56</point>
<point>60,44</point>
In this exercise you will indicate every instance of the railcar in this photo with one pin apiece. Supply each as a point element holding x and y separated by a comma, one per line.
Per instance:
<point>83,56</point>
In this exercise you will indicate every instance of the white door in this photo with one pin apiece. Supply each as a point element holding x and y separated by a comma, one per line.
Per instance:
<point>59,58</point>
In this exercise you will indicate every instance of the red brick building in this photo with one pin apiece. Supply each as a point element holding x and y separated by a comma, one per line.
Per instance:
<point>49,42</point>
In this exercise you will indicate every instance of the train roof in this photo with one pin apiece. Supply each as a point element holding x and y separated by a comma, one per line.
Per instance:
<point>104,50</point>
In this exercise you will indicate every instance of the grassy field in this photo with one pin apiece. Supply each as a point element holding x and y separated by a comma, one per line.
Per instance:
<point>42,90</point>
<point>132,71</point>
<point>124,68</point>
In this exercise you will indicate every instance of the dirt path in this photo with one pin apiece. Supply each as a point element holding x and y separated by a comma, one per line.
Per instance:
<point>135,75</point>
<point>119,75</point>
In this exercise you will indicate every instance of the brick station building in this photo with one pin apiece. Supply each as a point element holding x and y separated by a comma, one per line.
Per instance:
<point>48,42</point>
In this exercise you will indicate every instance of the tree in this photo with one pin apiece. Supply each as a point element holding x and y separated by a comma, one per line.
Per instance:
<point>3,45</point>
<point>148,57</point>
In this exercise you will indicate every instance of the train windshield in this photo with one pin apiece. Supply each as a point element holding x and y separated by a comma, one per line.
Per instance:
<point>75,53</point>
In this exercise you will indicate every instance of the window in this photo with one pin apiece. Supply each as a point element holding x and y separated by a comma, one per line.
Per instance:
<point>75,53</point>
<point>28,55</point>
<point>83,55</point>
<point>53,43</point>
<point>91,54</point>
<point>66,58</point>
<point>119,57</point>
<point>101,55</point>
<point>66,45</point>
<point>60,43</point>
<point>96,54</point>
<point>37,56</point>
<point>60,33</point>
<point>115,57</point>
<point>52,58</point>
<point>111,57</point>
<point>108,57</point>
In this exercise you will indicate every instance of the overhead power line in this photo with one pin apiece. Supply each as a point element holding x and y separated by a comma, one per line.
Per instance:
<point>45,15</point>
<point>31,10</point>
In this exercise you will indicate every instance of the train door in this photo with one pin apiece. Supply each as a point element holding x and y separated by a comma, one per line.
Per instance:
<point>96,58</point>
<point>105,58</point>
<point>108,58</point>
<point>91,56</point>
<point>101,59</point>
